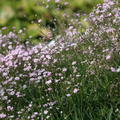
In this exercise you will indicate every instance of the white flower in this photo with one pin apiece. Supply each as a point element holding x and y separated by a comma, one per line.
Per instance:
<point>118,70</point>
<point>46,112</point>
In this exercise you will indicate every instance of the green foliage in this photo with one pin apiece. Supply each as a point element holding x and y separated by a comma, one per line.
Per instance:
<point>42,16</point>
<point>77,77</point>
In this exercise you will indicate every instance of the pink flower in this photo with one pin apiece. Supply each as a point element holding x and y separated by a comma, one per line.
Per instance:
<point>75,90</point>
<point>108,57</point>
<point>48,82</point>
<point>64,69</point>
<point>74,62</point>
<point>2,115</point>
<point>68,95</point>
<point>9,108</point>
<point>113,69</point>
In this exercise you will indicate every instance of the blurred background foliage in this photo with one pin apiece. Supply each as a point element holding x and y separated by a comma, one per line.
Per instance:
<point>39,19</point>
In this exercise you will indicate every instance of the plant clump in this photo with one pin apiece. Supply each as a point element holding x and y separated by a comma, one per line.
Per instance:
<point>73,77</point>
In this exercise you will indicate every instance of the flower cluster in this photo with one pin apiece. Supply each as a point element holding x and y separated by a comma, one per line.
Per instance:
<point>26,68</point>
<point>36,81</point>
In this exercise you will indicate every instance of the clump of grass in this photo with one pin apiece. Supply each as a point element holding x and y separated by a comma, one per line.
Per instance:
<point>73,78</point>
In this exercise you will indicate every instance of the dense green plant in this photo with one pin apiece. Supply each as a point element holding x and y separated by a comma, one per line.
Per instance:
<point>42,18</point>
<point>75,77</point>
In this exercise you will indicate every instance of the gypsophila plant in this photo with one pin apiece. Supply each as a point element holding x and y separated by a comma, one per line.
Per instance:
<point>75,77</point>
